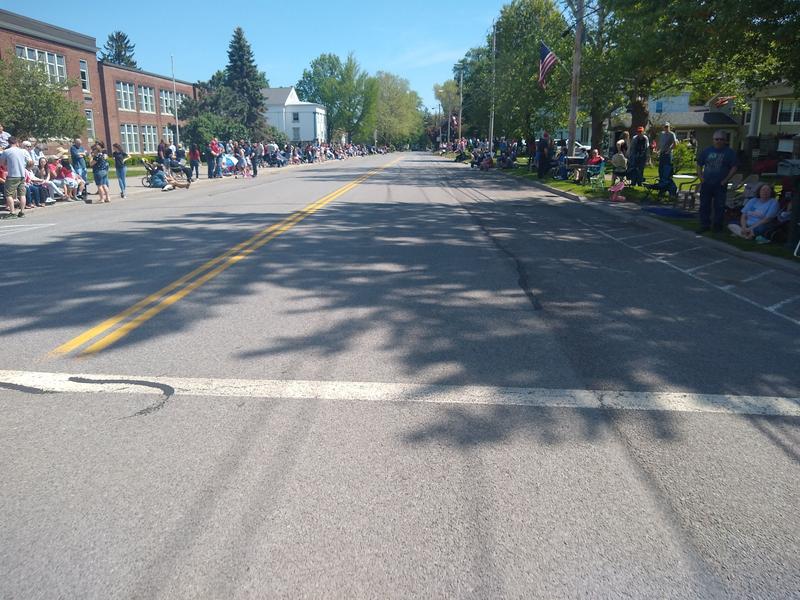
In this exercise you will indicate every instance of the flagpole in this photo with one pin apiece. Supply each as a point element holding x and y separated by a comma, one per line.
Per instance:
<point>175,102</point>
<point>491,117</point>
<point>576,75</point>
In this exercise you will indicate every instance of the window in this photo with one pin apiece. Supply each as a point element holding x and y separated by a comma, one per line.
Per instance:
<point>84,76</point>
<point>788,111</point>
<point>167,134</point>
<point>126,96</point>
<point>181,97</point>
<point>129,138</point>
<point>147,99</point>
<point>149,139</point>
<point>53,64</point>
<point>167,102</point>
<point>295,134</point>
<point>295,117</point>
<point>748,116</point>
<point>89,124</point>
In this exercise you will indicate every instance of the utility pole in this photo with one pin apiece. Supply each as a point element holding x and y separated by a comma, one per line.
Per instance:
<point>578,9</point>
<point>461,96</point>
<point>449,113</point>
<point>491,116</point>
<point>175,102</point>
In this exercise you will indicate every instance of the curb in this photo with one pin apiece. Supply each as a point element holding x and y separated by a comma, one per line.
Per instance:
<point>635,216</point>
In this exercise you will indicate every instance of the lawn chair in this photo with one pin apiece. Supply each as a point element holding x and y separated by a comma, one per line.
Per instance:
<point>734,197</point>
<point>597,176</point>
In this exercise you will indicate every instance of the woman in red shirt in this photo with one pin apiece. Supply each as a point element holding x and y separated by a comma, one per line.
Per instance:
<point>194,161</point>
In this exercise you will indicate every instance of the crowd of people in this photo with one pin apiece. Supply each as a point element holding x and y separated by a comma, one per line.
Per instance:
<point>243,158</point>
<point>30,178</point>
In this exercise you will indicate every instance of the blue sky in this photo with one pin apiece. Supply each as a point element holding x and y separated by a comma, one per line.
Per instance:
<point>416,39</point>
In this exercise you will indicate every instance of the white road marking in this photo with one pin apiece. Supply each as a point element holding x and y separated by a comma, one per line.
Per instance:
<point>22,228</point>
<point>692,249</point>
<point>630,237</point>
<point>701,267</point>
<point>655,243</point>
<point>269,389</point>
<point>689,273</point>
<point>757,276</point>
<point>783,303</point>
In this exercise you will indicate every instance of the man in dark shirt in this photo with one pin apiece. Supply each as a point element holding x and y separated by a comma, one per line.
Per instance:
<point>544,155</point>
<point>715,167</point>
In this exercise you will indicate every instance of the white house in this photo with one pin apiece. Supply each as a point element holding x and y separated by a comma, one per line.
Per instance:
<point>300,121</point>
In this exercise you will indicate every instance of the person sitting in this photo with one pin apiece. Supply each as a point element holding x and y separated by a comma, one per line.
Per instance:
<point>757,215</point>
<point>175,165</point>
<point>74,185</point>
<point>619,165</point>
<point>166,182</point>
<point>487,162</point>
<point>477,157</point>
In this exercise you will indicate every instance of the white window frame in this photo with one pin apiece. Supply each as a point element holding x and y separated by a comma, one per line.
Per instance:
<point>149,139</point>
<point>147,99</point>
<point>794,112</point>
<point>90,132</point>
<point>129,137</point>
<point>126,96</point>
<point>167,102</point>
<point>167,134</point>
<point>53,64</point>
<point>296,134</point>
<point>84,70</point>
<point>295,117</point>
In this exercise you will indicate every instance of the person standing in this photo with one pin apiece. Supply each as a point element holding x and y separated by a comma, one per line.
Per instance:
<point>120,156</point>
<point>15,160</point>
<point>100,170</point>
<point>637,160</point>
<point>77,155</point>
<point>543,150</point>
<point>666,144</point>
<point>4,137</point>
<point>194,160</point>
<point>715,167</point>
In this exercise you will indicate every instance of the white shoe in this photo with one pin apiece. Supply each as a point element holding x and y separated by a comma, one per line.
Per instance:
<point>735,229</point>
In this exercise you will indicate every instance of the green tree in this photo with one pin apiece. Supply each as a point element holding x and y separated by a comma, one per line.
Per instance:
<point>348,93</point>
<point>522,106</point>
<point>243,78</point>
<point>477,66</point>
<point>32,106</point>
<point>398,118</point>
<point>118,49</point>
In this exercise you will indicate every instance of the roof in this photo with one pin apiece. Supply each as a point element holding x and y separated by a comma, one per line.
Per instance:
<point>32,27</point>
<point>109,65</point>
<point>278,95</point>
<point>692,119</point>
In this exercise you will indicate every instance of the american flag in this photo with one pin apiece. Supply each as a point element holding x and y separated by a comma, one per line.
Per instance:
<point>547,61</point>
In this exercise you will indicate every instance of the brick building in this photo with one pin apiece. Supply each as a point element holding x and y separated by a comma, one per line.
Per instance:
<point>133,107</point>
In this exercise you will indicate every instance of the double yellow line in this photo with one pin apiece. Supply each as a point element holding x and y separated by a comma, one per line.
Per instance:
<point>107,333</point>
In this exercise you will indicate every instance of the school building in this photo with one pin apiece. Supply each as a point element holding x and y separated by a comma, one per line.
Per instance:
<point>129,106</point>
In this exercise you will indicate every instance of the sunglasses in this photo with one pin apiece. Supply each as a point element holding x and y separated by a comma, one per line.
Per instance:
<point>719,139</point>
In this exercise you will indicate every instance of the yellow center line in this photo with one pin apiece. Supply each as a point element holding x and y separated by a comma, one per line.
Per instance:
<point>167,296</point>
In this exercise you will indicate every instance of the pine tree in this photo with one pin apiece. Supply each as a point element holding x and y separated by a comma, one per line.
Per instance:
<point>119,50</point>
<point>244,79</point>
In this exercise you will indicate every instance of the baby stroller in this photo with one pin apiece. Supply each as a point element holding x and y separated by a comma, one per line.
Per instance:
<point>150,168</point>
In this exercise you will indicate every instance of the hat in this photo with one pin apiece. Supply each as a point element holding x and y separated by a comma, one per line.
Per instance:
<point>26,143</point>
<point>667,124</point>
<point>640,130</point>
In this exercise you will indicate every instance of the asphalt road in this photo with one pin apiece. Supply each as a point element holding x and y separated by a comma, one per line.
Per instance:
<point>391,377</point>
